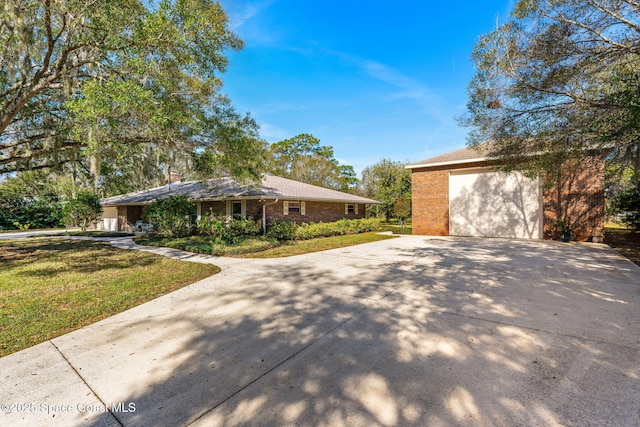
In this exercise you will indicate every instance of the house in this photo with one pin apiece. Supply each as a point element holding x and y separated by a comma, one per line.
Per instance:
<point>461,193</point>
<point>275,198</point>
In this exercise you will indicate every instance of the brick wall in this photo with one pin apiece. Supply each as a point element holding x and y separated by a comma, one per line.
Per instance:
<point>576,195</point>
<point>314,212</point>
<point>579,192</point>
<point>430,202</point>
<point>127,216</point>
<point>217,208</point>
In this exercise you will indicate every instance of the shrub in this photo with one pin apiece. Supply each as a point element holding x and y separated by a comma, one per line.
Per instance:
<point>171,217</point>
<point>338,228</point>
<point>627,204</point>
<point>241,229</point>
<point>225,229</point>
<point>39,213</point>
<point>82,211</point>
<point>282,230</point>
<point>212,225</point>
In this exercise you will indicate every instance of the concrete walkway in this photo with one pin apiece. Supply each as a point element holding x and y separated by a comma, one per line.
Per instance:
<point>410,331</point>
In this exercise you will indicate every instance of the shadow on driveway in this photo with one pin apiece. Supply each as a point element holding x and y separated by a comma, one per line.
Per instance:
<point>412,331</point>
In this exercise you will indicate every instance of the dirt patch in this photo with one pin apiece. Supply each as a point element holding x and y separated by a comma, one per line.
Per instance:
<point>625,242</point>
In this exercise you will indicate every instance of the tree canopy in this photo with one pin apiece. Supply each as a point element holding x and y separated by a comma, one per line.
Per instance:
<point>304,159</point>
<point>560,77</point>
<point>119,82</point>
<point>390,183</point>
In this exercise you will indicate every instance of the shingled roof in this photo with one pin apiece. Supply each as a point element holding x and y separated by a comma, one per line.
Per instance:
<point>464,155</point>
<point>271,187</point>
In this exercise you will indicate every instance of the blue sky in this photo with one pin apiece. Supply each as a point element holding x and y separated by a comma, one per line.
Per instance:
<point>372,79</point>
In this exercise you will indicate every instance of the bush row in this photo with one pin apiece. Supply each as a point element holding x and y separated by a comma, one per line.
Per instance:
<point>305,231</point>
<point>227,230</point>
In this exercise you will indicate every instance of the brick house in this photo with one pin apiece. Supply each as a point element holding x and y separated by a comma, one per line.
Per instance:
<point>461,194</point>
<point>275,198</point>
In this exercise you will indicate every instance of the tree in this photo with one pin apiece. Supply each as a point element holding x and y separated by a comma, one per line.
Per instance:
<point>560,78</point>
<point>82,211</point>
<point>34,198</point>
<point>386,181</point>
<point>402,208</point>
<point>304,159</point>
<point>171,217</point>
<point>88,82</point>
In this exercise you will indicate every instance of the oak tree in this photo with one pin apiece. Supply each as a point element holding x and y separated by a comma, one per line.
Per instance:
<point>91,82</point>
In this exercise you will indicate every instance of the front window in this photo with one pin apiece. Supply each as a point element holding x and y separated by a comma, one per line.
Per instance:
<point>351,209</point>
<point>294,207</point>
<point>236,209</point>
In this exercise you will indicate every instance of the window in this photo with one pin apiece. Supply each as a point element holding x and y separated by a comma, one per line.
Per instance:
<point>294,207</point>
<point>350,208</point>
<point>236,209</point>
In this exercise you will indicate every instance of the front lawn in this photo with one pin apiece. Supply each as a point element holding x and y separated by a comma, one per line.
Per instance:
<point>316,245</point>
<point>259,248</point>
<point>395,227</point>
<point>49,287</point>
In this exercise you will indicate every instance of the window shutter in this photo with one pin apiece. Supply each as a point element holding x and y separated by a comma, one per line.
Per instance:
<point>356,208</point>
<point>243,209</point>
<point>302,209</point>
<point>228,208</point>
<point>285,208</point>
<point>346,208</point>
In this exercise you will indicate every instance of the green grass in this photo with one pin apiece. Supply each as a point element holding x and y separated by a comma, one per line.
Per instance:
<point>49,287</point>
<point>396,229</point>
<point>98,233</point>
<point>614,226</point>
<point>206,245</point>
<point>259,248</point>
<point>316,245</point>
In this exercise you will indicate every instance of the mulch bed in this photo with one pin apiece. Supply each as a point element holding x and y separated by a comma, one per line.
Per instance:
<point>625,242</point>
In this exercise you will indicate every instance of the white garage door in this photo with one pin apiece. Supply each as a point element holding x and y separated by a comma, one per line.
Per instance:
<point>494,204</point>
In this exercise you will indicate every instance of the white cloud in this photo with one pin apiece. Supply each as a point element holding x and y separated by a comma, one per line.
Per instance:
<point>242,11</point>
<point>430,101</point>
<point>273,133</point>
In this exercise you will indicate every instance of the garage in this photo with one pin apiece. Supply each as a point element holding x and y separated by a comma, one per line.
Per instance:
<point>489,203</point>
<point>462,193</point>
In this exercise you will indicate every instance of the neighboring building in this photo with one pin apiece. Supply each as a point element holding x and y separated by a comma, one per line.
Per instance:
<point>462,194</point>
<point>274,199</point>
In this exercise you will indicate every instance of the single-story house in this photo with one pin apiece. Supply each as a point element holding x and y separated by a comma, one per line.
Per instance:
<point>275,198</point>
<point>461,193</point>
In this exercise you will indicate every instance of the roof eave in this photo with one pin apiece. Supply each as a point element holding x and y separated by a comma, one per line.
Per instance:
<point>447,163</point>
<point>263,197</point>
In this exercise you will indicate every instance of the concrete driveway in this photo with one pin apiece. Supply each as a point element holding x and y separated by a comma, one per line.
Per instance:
<point>410,331</point>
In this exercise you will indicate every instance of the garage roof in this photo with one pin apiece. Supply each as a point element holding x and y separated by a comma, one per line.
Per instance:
<point>464,155</point>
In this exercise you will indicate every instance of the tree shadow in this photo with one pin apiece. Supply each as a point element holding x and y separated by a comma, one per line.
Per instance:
<point>62,256</point>
<point>449,333</point>
<point>497,205</point>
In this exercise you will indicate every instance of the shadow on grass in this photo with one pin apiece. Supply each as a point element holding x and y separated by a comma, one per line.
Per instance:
<point>435,335</point>
<point>45,257</point>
